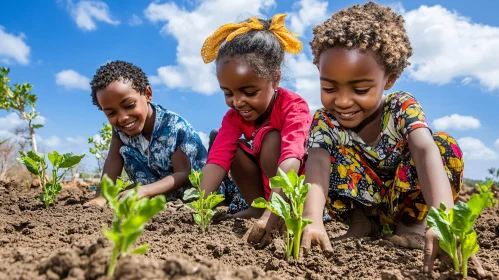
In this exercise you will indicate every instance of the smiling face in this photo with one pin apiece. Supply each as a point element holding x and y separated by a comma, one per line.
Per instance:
<point>125,108</point>
<point>352,85</point>
<point>244,90</point>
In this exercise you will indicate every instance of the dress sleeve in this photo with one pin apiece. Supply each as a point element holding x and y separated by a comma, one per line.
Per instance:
<point>409,114</point>
<point>323,132</point>
<point>225,145</point>
<point>296,116</point>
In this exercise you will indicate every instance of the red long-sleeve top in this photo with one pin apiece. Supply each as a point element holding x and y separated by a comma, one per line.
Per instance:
<point>290,116</point>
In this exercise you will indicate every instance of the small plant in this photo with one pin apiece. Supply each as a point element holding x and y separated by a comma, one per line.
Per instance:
<point>101,144</point>
<point>457,226</point>
<point>203,206</point>
<point>129,218</point>
<point>296,191</point>
<point>486,190</point>
<point>36,164</point>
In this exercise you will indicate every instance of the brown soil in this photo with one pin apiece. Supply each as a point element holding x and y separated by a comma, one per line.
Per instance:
<point>65,242</point>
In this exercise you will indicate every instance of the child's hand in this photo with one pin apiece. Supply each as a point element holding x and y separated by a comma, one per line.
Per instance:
<point>98,201</point>
<point>315,234</point>
<point>432,250</point>
<point>260,232</point>
<point>141,192</point>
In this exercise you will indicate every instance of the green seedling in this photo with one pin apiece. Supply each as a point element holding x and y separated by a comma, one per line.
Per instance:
<point>456,226</point>
<point>202,206</point>
<point>296,192</point>
<point>101,146</point>
<point>486,190</point>
<point>129,217</point>
<point>36,164</point>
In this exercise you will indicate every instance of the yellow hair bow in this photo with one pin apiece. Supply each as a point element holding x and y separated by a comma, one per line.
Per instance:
<point>229,31</point>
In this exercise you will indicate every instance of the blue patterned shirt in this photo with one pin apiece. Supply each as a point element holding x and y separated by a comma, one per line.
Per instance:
<point>148,162</point>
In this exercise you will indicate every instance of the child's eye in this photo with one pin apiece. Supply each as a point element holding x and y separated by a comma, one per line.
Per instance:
<point>362,91</point>
<point>110,114</point>
<point>228,94</point>
<point>329,90</point>
<point>130,106</point>
<point>250,93</point>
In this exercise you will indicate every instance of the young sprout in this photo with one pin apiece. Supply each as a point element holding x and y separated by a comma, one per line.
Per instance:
<point>36,164</point>
<point>202,206</point>
<point>129,217</point>
<point>296,192</point>
<point>457,225</point>
<point>485,189</point>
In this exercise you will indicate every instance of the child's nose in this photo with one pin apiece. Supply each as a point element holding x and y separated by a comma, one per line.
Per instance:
<point>343,100</point>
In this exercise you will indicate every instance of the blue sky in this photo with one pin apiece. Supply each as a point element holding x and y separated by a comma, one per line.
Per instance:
<point>57,45</point>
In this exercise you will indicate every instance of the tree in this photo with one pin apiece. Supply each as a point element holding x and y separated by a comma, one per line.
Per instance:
<point>16,99</point>
<point>101,145</point>
<point>6,151</point>
<point>495,174</point>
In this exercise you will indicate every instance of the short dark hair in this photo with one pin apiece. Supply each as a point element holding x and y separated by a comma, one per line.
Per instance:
<point>259,48</point>
<point>368,27</point>
<point>118,71</point>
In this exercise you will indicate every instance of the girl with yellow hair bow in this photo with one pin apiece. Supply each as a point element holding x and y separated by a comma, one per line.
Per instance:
<point>273,120</point>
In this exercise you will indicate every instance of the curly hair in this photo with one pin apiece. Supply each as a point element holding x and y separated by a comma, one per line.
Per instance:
<point>118,71</point>
<point>259,48</point>
<point>368,27</point>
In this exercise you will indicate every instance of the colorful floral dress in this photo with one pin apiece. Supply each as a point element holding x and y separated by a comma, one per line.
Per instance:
<point>147,162</point>
<point>381,177</point>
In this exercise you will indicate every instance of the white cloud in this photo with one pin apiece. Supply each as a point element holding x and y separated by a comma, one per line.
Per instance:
<point>190,29</point>
<point>135,20</point>
<point>311,12</point>
<point>52,141</point>
<point>86,13</point>
<point>456,121</point>
<point>448,46</point>
<point>71,79</point>
<point>204,138</point>
<point>12,121</point>
<point>76,140</point>
<point>474,149</point>
<point>496,144</point>
<point>304,78</point>
<point>13,47</point>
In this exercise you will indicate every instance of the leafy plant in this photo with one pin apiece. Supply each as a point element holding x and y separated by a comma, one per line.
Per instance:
<point>456,226</point>
<point>296,191</point>
<point>36,164</point>
<point>486,190</point>
<point>203,206</point>
<point>129,218</point>
<point>101,144</point>
<point>16,99</point>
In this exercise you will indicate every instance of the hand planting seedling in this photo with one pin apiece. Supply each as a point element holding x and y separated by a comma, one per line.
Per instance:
<point>296,191</point>
<point>203,206</point>
<point>36,164</point>
<point>129,218</point>
<point>486,190</point>
<point>457,225</point>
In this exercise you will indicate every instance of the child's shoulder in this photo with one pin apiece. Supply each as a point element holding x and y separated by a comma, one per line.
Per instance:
<point>399,97</point>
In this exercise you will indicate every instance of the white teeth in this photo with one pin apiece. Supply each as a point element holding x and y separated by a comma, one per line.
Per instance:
<point>129,125</point>
<point>347,115</point>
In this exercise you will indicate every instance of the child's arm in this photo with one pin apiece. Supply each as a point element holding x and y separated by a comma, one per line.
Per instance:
<point>433,181</point>
<point>432,177</point>
<point>113,166</point>
<point>180,177</point>
<point>317,174</point>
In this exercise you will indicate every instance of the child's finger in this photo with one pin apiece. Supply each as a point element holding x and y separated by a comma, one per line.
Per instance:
<point>430,252</point>
<point>325,244</point>
<point>478,266</point>
<point>306,241</point>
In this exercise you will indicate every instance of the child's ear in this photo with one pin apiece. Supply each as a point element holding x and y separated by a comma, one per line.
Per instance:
<point>390,81</point>
<point>148,93</point>
<point>277,79</point>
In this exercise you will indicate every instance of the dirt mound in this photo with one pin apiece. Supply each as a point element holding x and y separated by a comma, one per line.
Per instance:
<point>65,242</point>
